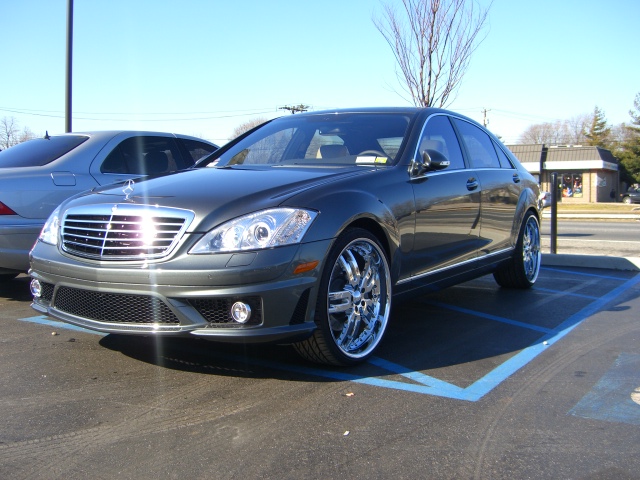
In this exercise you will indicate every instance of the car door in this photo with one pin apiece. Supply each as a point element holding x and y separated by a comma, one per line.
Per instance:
<point>447,204</point>
<point>500,187</point>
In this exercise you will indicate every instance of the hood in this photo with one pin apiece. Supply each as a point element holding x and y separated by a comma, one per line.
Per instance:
<point>219,194</point>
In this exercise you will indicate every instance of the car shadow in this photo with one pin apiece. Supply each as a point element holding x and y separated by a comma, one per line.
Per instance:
<point>17,289</point>
<point>420,337</point>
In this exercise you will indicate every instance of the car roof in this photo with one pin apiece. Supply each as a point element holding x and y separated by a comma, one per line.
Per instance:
<point>105,134</point>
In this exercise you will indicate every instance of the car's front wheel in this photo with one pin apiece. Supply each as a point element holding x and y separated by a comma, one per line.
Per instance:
<point>523,268</point>
<point>354,301</point>
<point>626,200</point>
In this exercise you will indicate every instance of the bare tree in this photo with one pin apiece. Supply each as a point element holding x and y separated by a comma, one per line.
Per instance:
<point>567,132</point>
<point>575,128</point>
<point>8,132</point>
<point>432,41</point>
<point>246,126</point>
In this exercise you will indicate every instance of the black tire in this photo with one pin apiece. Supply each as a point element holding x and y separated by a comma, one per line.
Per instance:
<point>354,302</point>
<point>523,268</point>
<point>626,200</point>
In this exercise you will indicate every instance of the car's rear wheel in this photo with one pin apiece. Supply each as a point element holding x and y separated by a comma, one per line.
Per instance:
<point>354,301</point>
<point>523,268</point>
<point>627,200</point>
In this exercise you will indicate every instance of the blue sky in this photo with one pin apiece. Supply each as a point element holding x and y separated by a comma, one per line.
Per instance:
<point>202,67</point>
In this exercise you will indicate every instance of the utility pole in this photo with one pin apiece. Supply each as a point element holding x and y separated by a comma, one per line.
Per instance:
<point>295,108</point>
<point>67,116</point>
<point>485,122</point>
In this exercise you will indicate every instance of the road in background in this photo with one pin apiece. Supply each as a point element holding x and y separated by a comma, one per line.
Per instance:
<point>594,237</point>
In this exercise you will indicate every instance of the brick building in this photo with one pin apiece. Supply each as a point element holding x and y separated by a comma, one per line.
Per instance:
<point>585,174</point>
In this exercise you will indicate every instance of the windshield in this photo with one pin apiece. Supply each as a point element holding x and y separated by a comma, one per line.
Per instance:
<point>322,140</point>
<point>39,151</point>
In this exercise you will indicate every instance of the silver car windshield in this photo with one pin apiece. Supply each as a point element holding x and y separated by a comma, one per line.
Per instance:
<point>322,140</point>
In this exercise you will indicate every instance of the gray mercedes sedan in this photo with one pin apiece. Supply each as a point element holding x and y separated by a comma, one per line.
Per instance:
<point>302,231</point>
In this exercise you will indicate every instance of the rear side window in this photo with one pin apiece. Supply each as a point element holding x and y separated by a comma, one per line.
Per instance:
<point>479,145</point>
<point>39,151</point>
<point>145,156</point>
<point>504,160</point>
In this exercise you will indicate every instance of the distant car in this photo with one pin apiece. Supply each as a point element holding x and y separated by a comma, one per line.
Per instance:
<point>545,199</point>
<point>631,196</point>
<point>300,232</point>
<point>37,175</point>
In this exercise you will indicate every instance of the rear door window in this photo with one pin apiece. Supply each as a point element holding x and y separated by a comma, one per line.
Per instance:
<point>147,155</point>
<point>39,151</point>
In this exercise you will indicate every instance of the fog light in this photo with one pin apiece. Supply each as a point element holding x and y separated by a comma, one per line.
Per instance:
<point>36,288</point>
<point>241,312</point>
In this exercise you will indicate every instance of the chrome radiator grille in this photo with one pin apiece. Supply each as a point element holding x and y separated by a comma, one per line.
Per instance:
<point>123,232</point>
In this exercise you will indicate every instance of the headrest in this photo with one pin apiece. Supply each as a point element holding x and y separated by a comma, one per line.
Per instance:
<point>333,151</point>
<point>156,161</point>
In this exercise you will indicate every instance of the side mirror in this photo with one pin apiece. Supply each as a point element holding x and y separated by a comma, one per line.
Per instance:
<point>434,160</point>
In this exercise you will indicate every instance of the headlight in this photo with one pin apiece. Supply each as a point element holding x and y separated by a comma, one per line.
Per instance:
<point>49,233</point>
<point>265,229</point>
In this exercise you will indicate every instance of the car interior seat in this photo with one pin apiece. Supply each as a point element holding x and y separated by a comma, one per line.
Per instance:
<point>332,151</point>
<point>156,162</point>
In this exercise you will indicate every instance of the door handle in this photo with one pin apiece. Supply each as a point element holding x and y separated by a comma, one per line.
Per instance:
<point>472,184</point>
<point>516,178</point>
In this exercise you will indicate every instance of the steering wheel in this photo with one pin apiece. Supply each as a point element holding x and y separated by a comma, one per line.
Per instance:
<point>377,153</point>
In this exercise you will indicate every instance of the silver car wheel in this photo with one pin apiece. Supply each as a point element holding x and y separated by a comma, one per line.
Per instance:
<point>531,252</point>
<point>359,298</point>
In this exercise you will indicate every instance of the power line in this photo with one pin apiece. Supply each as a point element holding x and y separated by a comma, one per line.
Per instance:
<point>213,116</point>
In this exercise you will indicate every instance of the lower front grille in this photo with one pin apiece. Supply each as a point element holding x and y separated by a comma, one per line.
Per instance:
<point>114,307</point>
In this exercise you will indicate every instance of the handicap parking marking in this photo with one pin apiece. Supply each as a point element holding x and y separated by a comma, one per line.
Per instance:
<point>616,396</point>
<point>418,382</point>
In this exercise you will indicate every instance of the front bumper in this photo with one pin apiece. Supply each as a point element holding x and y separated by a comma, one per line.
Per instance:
<point>188,295</point>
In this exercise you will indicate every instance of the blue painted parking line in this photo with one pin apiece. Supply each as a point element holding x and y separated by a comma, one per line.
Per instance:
<point>565,294</point>
<point>488,316</point>
<point>44,320</point>
<point>583,274</point>
<point>419,382</point>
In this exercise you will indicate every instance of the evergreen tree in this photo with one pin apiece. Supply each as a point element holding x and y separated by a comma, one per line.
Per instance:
<point>629,150</point>
<point>598,132</point>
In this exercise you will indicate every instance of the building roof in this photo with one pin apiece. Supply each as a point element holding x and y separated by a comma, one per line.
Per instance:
<point>564,157</point>
<point>579,154</point>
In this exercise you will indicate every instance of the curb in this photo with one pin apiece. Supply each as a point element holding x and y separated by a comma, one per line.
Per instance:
<point>591,261</point>
<point>595,216</point>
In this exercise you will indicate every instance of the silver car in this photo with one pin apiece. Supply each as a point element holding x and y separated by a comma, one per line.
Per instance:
<point>37,175</point>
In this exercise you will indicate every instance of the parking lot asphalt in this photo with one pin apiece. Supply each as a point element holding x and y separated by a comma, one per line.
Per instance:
<point>472,382</point>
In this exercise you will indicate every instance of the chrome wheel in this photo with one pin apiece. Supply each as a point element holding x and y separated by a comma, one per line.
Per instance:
<point>521,271</point>
<point>353,304</point>
<point>358,300</point>
<point>531,253</point>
